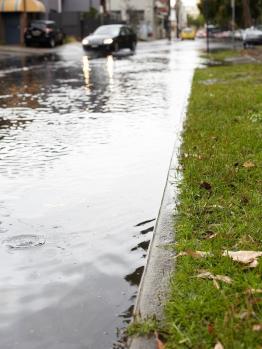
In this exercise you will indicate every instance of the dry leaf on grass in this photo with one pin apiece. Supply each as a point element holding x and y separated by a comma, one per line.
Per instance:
<point>248,258</point>
<point>196,254</point>
<point>216,284</point>
<point>210,276</point>
<point>210,328</point>
<point>248,164</point>
<point>212,236</point>
<point>159,343</point>
<point>208,235</point>
<point>253,290</point>
<point>257,327</point>
<point>246,315</point>
<point>218,346</point>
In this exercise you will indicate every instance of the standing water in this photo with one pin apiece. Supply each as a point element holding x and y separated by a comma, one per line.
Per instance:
<point>85,146</point>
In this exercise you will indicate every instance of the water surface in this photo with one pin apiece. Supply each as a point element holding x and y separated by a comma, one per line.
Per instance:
<point>85,146</point>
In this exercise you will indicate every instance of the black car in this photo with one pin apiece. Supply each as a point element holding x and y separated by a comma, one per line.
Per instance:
<point>111,38</point>
<point>43,32</point>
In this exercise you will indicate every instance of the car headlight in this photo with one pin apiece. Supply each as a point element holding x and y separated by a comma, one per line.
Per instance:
<point>108,41</point>
<point>85,42</point>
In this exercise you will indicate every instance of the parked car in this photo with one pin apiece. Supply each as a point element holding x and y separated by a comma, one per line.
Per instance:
<point>252,36</point>
<point>201,33</point>
<point>239,34</point>
<point>111,38</point>
<point>43,32</point>
<point>188,34</point>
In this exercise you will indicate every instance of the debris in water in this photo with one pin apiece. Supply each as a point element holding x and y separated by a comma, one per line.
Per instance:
<point>24,241</point>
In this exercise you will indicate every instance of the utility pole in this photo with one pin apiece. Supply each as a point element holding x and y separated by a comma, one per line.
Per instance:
<point>23,22</point>
<point>169,21</point>
<point>177,7</point>
<point>207,23</point>
<point>233,6</point>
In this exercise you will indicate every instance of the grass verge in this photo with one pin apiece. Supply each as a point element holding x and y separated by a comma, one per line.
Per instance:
<point>220,209</point>
<point>229,56</point>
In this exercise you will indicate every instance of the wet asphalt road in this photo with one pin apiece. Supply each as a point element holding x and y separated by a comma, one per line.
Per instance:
<point>85,145</point>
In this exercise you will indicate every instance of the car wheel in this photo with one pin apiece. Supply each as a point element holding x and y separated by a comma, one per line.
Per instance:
<point>133,46</point>
<point>27,44</point>
<point>115,47</point>
<point>61,41</point>
<point>52,43</point>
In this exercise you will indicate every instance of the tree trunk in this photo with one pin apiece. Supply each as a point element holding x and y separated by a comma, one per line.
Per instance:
<point>246,13</point>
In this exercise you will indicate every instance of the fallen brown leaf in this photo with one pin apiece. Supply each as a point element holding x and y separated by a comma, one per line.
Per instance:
<point>246,315</point>
<point>257,328</point>
<point>255,300</point>
<point>248,164</point>
<point>248,258</point>
<point>223,278</point>
<point>209,235</point>
<point>210,328</point>
<point>253,290</point>
<point>159,343</point>
<point>218,346</point>
<point>253,264</point>
<point>216,284</point>
<point>210,276</point>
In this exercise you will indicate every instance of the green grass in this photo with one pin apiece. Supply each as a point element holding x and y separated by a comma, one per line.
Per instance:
<point>223,130</point>
<point>222,55</point>
<point>142,328</point>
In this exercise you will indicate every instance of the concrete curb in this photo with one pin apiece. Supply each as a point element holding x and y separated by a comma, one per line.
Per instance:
<point>154,286</point>
<point>155,280</point>
<point>22,50</point>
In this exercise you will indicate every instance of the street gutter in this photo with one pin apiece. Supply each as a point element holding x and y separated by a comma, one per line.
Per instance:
<point>22,50</point>
<point>154,285</point>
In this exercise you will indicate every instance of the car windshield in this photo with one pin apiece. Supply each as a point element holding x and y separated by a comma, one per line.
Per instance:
<point>188,30</point>
<point>107,30</point>
<point>41,25</point>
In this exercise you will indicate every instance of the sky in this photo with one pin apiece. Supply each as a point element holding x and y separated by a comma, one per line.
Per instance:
<point>189,2</point>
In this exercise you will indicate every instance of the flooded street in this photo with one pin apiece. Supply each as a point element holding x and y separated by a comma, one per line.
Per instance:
<point>85,146</point>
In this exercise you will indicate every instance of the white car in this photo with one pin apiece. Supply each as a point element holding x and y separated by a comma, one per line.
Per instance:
<point>252,36</point>
<point>239,34</point>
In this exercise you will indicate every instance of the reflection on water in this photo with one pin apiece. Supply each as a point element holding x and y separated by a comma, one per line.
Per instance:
<point>85,146</point>
<point>135,277</point>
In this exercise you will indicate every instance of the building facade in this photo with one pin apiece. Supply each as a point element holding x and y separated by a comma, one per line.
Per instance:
<point>71,5</point>
<point>14,16</point>
<point>146,16</point>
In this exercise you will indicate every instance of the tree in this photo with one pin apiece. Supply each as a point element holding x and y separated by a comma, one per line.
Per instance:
<point>246,13</point>
<point>220,12</point>
<point>197,22</point>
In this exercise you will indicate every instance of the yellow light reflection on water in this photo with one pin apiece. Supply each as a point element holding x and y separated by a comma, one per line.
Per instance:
<point>110,67</point>
<point>86,71</point>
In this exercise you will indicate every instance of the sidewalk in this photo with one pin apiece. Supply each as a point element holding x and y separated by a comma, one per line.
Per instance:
<point>10,50</point>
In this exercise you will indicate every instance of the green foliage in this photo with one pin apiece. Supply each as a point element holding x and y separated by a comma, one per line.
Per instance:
<point>222,132</point>
<point>219,11</point>
<point>91,13</point>
<point>142,328</point>
<point>197,22</point>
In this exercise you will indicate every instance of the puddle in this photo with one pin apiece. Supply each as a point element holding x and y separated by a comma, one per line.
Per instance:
<point>85,150</point>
